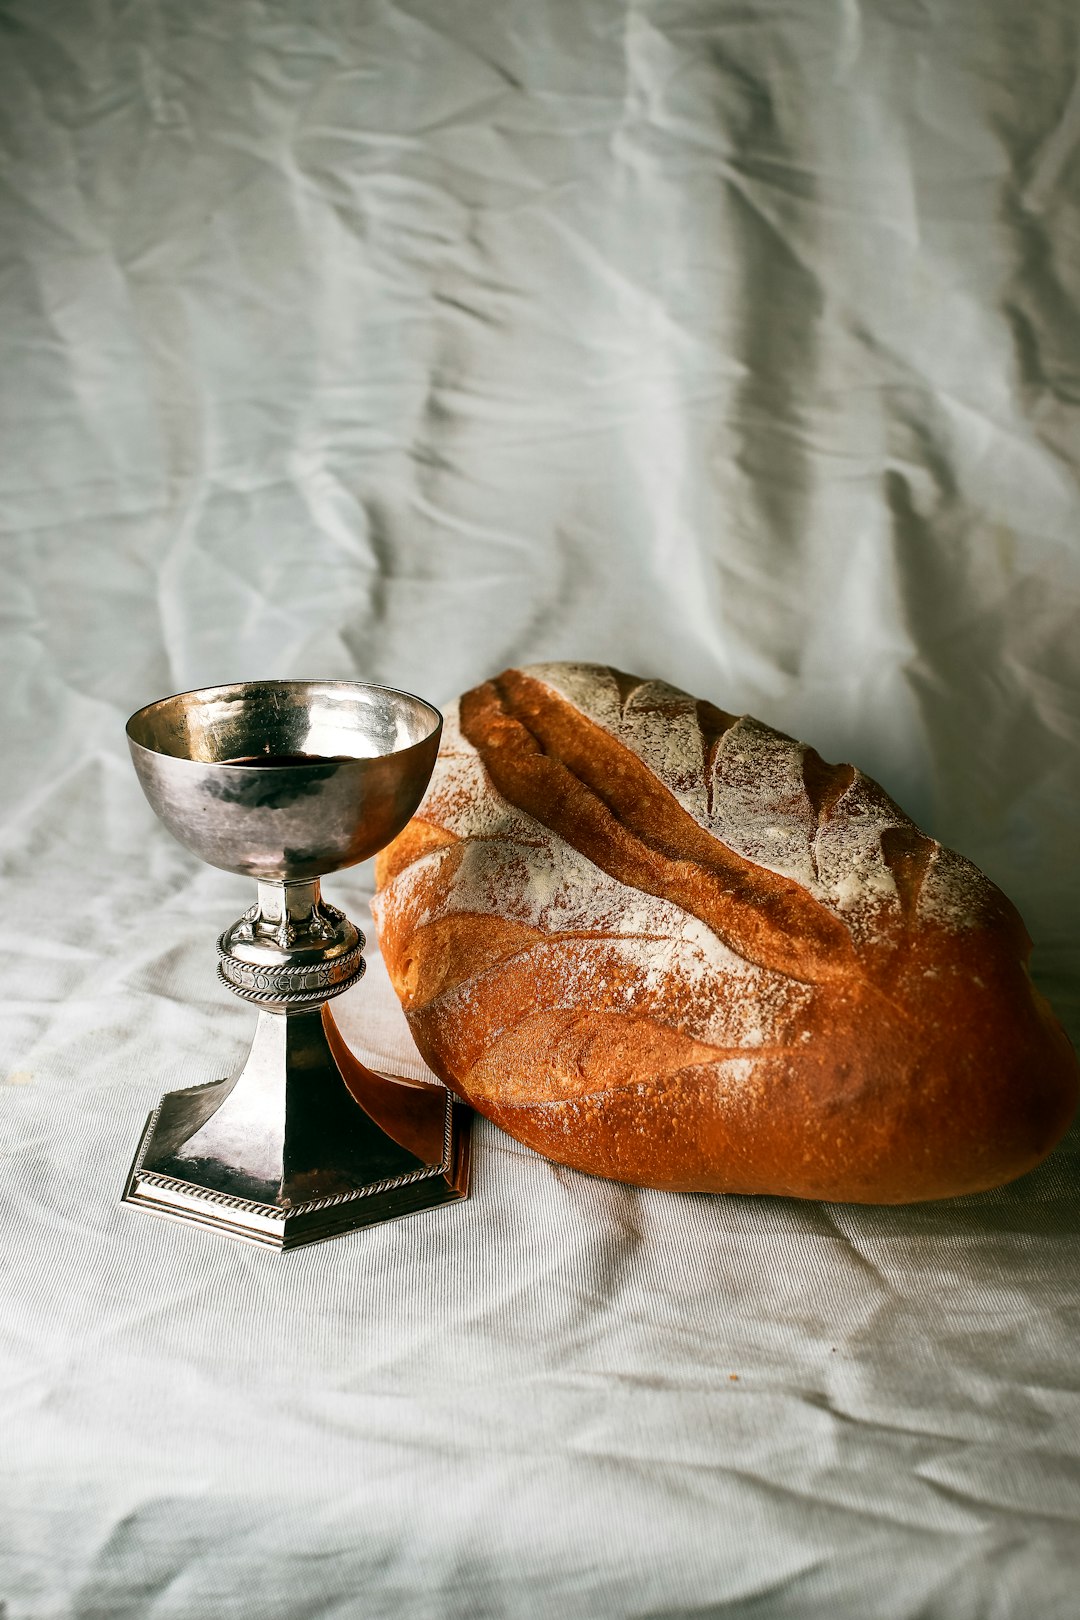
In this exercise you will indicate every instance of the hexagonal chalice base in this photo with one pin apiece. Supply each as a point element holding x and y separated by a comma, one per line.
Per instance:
<point>286,781</point>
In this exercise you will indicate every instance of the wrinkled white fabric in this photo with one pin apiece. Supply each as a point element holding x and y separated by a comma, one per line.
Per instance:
<point>736,344</point>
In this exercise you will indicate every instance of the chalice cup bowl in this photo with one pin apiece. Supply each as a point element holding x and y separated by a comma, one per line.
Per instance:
<point>286,781</point>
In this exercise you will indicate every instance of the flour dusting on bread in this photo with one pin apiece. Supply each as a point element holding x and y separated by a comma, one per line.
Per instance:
<point>754,800</point>
<point>511,866</point>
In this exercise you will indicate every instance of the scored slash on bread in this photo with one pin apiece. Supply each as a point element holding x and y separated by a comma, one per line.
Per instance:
<point>662,943</point>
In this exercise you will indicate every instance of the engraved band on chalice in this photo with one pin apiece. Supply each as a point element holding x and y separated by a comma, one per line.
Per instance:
<point>291,985</point>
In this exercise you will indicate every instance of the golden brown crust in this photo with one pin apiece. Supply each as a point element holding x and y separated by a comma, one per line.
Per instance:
<point>587,953</point>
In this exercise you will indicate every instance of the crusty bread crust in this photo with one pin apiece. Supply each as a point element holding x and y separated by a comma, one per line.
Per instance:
<point>660,943</point>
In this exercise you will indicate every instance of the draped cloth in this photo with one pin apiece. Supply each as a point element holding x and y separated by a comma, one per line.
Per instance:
<point>733,344</point>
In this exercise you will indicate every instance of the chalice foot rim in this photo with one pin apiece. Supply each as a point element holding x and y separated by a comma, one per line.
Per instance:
<point>269,1225</point>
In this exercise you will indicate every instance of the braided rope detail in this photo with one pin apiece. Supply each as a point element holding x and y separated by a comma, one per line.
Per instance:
<point>209,1195</point>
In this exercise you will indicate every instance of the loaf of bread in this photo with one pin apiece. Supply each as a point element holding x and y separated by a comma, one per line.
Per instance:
<point>659,943</point>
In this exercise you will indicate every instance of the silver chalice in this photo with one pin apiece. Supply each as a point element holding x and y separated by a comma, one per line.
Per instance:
<point>286,781</point>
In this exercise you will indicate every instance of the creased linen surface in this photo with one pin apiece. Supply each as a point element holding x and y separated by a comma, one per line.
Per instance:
<point>736,344</point>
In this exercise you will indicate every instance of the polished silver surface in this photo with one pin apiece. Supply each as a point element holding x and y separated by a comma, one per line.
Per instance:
<point>286,781</point>
<point>372,751</point>
<point>304,1144</point>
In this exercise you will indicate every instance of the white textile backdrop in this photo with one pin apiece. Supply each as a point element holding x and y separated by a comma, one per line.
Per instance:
<point>728,341</point>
